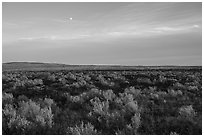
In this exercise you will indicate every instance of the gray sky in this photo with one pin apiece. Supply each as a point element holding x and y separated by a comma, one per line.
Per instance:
<point>103,33</point>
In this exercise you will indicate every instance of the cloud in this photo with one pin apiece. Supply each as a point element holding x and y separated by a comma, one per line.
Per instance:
<point>28,38</point>
<point>54,37</point>
<point>177,28</point>
<point>196,26</point>
<point>169,29</point>
<point>127,20</point>
<point>116,33</point>
<point>149,31</point>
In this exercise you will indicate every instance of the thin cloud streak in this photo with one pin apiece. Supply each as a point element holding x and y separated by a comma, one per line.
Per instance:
<point>117,34</point>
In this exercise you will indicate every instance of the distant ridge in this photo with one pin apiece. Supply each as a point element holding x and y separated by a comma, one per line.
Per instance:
<point>39,63</point>
<point>39,66</point>
<point>31,66</point>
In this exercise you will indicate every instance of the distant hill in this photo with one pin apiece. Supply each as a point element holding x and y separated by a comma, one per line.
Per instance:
<point>38,66</point>
<point>31,66</point>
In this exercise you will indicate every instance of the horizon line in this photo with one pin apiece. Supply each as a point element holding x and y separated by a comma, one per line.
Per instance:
<point>10,62</point>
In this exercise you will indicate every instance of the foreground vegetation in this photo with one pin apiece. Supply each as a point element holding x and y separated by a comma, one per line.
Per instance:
<point>102,102</point>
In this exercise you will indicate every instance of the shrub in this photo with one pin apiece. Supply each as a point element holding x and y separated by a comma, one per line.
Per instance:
<point>126,98</point>
<point>173,133</point>
<point>13,122</point>
<point>23,98</point>
<point>7,98</point>
<point>28,118</point>
<point>100,107</point>
<point>132,128</point>
<point>109,95</point>
<point>187,112</point>
<point>133,91</point>
<point>132,107</point>
<point>36,114</point>
<point>82,129</point>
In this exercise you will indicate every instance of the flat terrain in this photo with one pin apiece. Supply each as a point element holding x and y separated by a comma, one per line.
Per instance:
<point>57,99</point>
<point>36,66</point>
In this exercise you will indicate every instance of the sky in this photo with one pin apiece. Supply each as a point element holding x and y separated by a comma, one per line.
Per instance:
<point>117,33</point>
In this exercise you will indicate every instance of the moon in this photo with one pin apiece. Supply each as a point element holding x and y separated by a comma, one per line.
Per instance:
<point>70,18</point>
